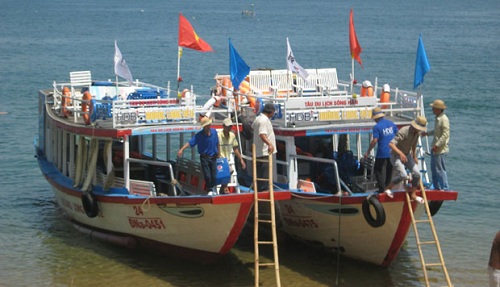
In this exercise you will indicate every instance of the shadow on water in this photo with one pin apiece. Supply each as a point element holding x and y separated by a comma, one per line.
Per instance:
<point>301,263</point>
<point>66,257</point>
<point>71,258</point>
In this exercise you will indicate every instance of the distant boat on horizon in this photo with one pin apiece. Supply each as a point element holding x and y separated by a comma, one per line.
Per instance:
<point>248,12</point>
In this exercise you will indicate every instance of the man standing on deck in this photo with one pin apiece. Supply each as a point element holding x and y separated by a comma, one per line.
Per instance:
<point>403,155</point>
<point>208,148</point>
<point>229,144</point>
<point>439,148</point>
<point>383,133</point>
<point>265,142</point>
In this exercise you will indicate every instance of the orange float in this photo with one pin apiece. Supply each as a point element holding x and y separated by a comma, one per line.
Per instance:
<point>367,89</point>
<point>385,96</point>
<point>87,107</point>
<point>226,83</point>
<point>66,94</point>
<point>244,87</point>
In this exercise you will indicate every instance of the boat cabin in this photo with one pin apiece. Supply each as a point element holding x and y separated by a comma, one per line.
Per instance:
<point>322,126</point>
<point>123,139</point>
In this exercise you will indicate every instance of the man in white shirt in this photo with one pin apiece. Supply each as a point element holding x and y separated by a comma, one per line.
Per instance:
<point>265,142</point>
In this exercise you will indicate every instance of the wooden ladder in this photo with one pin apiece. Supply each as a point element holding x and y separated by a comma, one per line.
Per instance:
<point>421,244</point>
<point>257,220</point>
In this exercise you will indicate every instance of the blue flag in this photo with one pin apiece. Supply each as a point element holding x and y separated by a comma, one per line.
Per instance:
<point>237,67</point>
<point>422,64</point>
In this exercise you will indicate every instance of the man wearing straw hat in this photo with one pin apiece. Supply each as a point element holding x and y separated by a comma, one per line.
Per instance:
<point>208,148</point>
<point>439,148</point>
<point>403,154</point>
<point>383,133</point>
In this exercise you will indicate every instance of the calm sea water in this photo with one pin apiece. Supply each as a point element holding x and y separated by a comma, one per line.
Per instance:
<point>41,41</point>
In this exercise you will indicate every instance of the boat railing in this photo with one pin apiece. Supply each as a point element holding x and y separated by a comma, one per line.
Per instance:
<point>340,108</point>
<point>127,105</point>
<point>334,105</point>
<point>339,182</point>
<point>133,184</point>
<point>140,112</point>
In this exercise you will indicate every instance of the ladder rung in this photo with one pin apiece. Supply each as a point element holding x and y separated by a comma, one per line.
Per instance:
<point>427,242</point>
<point>265,221</point>
<point>422,221</point>
<point>267,264</point>
<point>433,264</point>
<point>265,242</point>
<point>264,200</point>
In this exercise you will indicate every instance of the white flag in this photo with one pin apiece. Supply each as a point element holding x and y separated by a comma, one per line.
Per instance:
<point>293,66</point>
<point>121,68</point>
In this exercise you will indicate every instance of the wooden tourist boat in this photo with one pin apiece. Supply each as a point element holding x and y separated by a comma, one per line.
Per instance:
<point>323,127</point>
<point>109,151</point>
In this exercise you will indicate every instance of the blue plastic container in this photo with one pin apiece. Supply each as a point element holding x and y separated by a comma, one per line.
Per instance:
<point>223,173</point>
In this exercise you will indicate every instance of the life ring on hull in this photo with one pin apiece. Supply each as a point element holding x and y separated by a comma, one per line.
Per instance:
<point>89,203</point>
<point>65,100</point>
<point>87,107</point>
<point>379,220</point>
<point>434,206</point>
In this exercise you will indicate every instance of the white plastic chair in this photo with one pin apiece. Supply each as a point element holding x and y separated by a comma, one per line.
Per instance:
<point>309,86</point>
<point>281,81</point>
<point>260,82</point>
<point>327,80</point>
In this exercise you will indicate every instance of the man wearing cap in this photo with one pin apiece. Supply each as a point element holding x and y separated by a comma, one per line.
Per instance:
<point>228,143</point>
<point>208,148</point>
<point>439,148</point>
<point>403,154</point>
<point>383,132</point>
<point>265,142</point>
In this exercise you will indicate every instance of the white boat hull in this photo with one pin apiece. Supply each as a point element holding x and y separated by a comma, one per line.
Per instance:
<point>196,227</point>
<point>316,220</point>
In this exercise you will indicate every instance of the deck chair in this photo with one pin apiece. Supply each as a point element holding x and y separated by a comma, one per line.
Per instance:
<point>79,80</point>
<point>306,87</point>
<point>260,82</point>
<point>281,81</point>
<point>327,80</point>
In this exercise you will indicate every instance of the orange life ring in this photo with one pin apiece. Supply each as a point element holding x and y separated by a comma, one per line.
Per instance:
<point>87,107</point>
<point>226,82</point>
<point>66,94</point>
<point>244,87</point>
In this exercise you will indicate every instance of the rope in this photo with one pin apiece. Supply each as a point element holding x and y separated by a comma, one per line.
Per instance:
<point>337,277</point>
<point>144,202</point>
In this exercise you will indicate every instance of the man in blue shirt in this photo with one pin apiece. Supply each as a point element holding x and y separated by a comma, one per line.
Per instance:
<point>208,148</point>
<point>383,132</point>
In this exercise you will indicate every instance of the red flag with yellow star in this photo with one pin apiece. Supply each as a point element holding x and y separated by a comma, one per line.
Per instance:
<point>188,37</point>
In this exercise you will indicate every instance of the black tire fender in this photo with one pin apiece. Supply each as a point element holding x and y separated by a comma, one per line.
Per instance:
<point>379,218</point>
<point>89,203</point>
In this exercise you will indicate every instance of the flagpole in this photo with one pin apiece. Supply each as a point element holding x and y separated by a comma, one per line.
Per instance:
<point>352,75</point>
<point>179,53</point>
